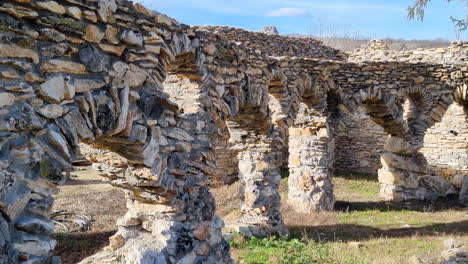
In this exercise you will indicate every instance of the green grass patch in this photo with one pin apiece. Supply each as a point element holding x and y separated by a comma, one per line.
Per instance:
<point>357,186</point>
<point>283,251</point>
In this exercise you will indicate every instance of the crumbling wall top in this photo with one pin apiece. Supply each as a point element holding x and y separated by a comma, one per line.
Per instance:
<point>273,45</point>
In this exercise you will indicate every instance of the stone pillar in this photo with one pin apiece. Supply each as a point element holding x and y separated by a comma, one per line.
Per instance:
<point>260,177</point>
<point>311,156</point>
<point>405,173</point>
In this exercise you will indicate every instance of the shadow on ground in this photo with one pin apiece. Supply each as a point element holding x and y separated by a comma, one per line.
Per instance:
<point>350,232</point>
<point>74,247</point>
<point>440,205</point>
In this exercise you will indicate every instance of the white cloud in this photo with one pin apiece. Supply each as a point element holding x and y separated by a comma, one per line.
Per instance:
<point>287,11</point>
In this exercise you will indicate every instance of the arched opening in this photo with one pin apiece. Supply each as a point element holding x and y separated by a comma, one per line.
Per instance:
<point>258,138</point>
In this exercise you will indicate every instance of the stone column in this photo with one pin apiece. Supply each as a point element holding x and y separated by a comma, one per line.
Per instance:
<point>311,156</point>
<point>405,173</point>
<point>260,177</point>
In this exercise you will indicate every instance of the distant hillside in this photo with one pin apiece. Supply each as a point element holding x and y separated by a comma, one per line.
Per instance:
<point>350,44</point>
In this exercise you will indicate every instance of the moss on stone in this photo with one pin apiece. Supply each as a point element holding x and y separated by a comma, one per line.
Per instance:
<point>45,167</point>
<point>64,24</point>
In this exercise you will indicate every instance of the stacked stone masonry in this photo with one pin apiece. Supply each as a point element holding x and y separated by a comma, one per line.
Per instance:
<point>166,105</point>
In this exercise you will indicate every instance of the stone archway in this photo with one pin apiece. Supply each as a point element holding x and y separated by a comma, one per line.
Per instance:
<point>94,95</point>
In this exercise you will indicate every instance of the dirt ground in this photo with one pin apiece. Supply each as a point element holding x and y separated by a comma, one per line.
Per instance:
<point>390,232</point>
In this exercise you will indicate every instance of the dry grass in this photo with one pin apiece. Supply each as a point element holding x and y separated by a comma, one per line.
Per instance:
<point>388,233</point>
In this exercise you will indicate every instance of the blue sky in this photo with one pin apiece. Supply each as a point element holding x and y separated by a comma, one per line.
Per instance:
<point>370,18</point>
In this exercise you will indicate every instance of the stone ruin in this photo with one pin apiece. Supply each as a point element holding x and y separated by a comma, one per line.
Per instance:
<point>182,108</point>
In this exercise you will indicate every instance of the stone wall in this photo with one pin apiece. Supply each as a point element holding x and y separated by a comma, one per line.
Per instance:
<point>167,98</point>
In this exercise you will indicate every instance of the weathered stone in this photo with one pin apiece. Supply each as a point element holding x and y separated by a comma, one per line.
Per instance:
<point>83,85</point>
<point>180,134</point>
<point>52,34</point>
<point>404,163</point>
<point>18,11</point>
<point>74,12</point>
<point>399,146</point>
<point>64,24</point>
<point>53,89</point>
<point>51,111</point>
<point>35,245</point>
<point>111,34</point>
<point>127,75</point>
<point>94,59</point>
<point>106,8</point>
<point>132,38</point>
<point>35,225</point>
<point>112,49</point>
<point>32,77</point>
<point>90,15</point>
<point>9,74</point>
<point>93,34</point>
<point>12,51</point>
<point>63,66</point>
<point>51,6</point>
<point>163,19</point>
<point>59,142</point>
<point>6,99</point>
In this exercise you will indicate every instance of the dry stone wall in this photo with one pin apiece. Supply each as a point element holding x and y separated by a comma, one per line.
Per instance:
<point>167,98</point>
